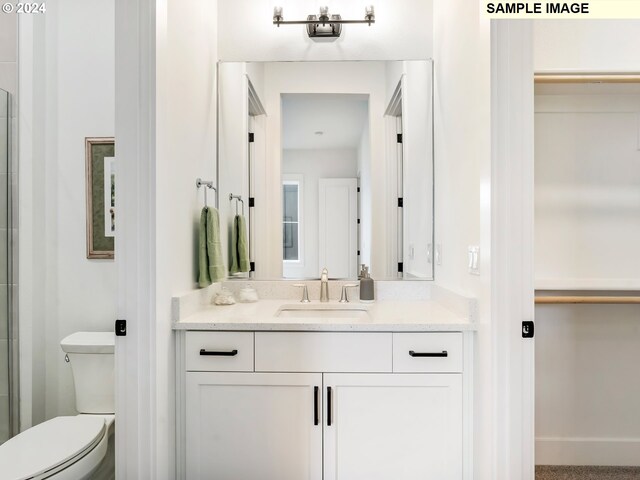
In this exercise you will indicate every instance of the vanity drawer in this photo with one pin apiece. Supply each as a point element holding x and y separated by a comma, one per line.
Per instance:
<point>219,351</point>
<point>323,352</point>
<point>427,352</point>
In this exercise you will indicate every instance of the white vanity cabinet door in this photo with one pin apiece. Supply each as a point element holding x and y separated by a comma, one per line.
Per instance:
<point>393,426</point>
<point>253,426</point>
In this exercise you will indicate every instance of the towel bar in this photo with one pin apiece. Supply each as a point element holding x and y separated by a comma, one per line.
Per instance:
<point>207,184</point>
<point>238,198</point>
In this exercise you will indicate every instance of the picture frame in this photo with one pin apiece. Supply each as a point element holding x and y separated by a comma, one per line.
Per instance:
<point>100,187</point>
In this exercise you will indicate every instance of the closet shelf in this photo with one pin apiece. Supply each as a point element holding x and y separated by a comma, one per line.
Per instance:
<point>588,284</point>
<point>587,299</point>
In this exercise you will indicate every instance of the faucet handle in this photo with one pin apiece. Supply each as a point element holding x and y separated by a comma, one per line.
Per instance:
<point>305,292</point>
<point>344,298</point>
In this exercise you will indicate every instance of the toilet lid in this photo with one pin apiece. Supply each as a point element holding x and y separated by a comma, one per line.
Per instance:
<point>48,445</point>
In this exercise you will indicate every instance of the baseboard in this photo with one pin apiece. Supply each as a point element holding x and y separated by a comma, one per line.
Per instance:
<point>588,451</point>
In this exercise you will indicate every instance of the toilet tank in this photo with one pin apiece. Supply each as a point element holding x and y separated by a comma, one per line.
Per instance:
<point>91,355</point>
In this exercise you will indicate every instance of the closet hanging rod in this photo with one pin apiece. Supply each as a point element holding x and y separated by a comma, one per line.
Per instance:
<point>238,198</point>
<point>587,300</point>
<point>208,184</point>
<point>586,78</point>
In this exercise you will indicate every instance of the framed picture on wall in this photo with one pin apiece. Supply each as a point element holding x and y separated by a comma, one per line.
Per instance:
<point>101,201</point>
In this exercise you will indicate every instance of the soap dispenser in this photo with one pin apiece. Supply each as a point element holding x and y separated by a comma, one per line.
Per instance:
<point>366,286</point>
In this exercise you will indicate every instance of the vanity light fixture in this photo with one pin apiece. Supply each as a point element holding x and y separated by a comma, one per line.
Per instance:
<point>323,25</point>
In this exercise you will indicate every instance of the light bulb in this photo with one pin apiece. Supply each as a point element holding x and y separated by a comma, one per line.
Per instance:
<point>369,10</point>
<point>324,11</point>
<point>277,13</point>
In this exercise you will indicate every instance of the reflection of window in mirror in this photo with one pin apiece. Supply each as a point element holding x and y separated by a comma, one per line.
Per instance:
<point>291,245</point>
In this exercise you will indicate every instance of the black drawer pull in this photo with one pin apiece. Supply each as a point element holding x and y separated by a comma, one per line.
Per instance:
<point>444,353</point>
<point>316,413</point>
<point>329,409</point>
<point>231,353</point>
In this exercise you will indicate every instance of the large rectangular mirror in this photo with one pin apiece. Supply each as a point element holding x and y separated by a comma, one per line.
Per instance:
<point>331,164</point>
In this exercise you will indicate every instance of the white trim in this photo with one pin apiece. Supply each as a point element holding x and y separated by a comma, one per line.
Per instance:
<point>135,259</point>
<point>467,406</point>
<point>512,245</point>
<point>588,451</point>
<point>296,179</point>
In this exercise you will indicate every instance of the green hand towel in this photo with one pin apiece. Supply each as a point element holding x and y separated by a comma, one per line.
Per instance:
<point>210,249</point>
<point>239,246</point>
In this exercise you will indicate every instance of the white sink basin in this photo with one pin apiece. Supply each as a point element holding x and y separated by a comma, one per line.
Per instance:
<point>328,313</point>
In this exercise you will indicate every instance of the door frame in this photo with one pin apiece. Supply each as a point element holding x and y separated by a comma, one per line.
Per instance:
<point>512,433</point>
<point>512,273</point>
<point>135,130</point>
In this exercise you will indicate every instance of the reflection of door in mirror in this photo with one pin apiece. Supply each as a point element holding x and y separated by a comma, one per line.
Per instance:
<point>322,156</point>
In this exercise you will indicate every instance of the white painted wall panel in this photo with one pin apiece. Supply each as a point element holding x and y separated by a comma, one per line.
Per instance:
<point>587,192</point>
<point>462,139</point>
<point>586,45</point>
<point>186,56</point>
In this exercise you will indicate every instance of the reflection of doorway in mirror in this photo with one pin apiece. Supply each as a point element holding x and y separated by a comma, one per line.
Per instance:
<point>325,144</point>
<point>109,197</point>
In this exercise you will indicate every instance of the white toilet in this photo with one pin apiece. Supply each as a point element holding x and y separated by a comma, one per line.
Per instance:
<point>70,448</point>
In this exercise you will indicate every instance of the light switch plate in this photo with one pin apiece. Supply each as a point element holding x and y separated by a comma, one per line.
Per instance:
<point>474,260</point>
<point>438,254</point>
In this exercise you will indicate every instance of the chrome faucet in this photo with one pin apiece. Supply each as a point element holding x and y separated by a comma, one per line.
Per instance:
<point>324,285</point>
<point>305,292</point>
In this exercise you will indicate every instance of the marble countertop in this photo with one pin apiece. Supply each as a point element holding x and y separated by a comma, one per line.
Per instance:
<point>383,316</point>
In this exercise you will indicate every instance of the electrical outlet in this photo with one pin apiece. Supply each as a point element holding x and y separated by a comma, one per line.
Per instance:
<point>474,260</point>
<point>438,254</point>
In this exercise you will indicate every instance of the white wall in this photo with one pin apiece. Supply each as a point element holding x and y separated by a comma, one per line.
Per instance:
<point>586,46</point>
<point>185,149</point>
<point>402,30</point>
<point>584,402</point>
<point>313,165</point>
<point>462,186</point>
<point>67,88</point>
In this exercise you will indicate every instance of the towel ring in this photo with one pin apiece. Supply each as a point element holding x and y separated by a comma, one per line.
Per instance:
<point>238,198</point>
<point>208,184</point>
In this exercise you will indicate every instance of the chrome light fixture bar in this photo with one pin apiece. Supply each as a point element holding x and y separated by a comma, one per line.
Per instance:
<point>323,25</point>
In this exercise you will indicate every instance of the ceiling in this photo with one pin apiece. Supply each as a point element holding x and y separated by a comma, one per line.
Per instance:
<point>340,117</point>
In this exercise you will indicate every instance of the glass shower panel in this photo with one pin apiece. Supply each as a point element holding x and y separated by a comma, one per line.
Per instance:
<point>5,325</point>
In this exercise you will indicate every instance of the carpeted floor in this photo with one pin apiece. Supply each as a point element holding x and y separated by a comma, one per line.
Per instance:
<point>548,472</point>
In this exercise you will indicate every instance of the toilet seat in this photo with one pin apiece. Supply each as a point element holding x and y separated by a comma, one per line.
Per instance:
<point>51,446</point>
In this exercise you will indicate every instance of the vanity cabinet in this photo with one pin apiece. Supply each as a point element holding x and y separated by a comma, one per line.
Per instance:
<point>262,426</point>
<point>311,408</point>
<point>398,426</point>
